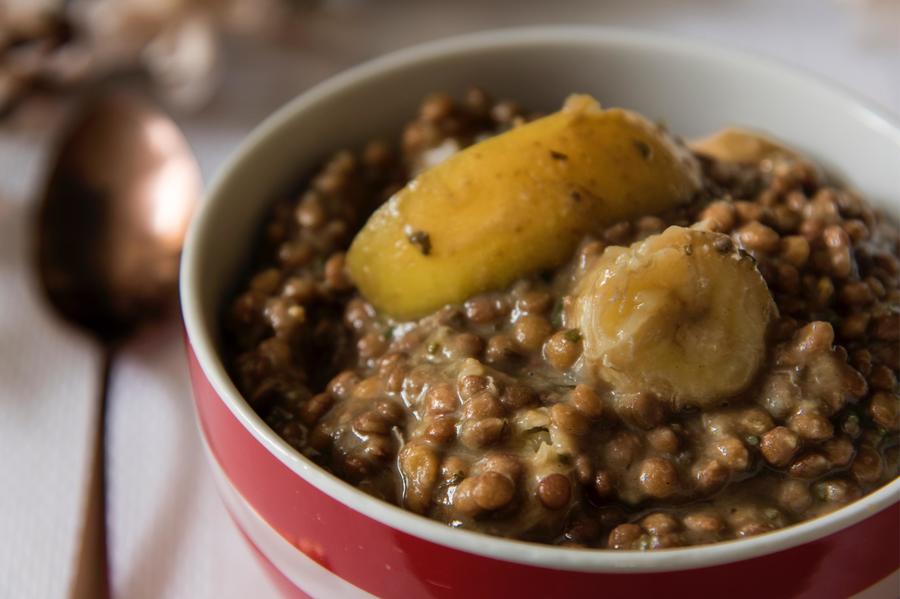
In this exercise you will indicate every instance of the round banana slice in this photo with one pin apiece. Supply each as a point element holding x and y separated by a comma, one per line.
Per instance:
<point>682,314</point>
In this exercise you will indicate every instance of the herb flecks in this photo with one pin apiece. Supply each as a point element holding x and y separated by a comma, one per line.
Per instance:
<point>572,335</point>
<point>643,149</point>
<point>421,240</point>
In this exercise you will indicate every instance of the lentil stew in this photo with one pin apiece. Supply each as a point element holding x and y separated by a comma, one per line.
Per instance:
<point>753,386</point>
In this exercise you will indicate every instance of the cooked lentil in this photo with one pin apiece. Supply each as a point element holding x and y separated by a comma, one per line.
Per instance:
<point>475,415</point>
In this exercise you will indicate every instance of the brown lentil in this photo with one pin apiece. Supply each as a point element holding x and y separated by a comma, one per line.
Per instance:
<point>658,477</point>
<point>562,349</point>
<point>515,397</point>
<point>624,536</point>
<point>809,466</point>
<point>500,349</point>
<point>885,410</point>
<point>530,331</point>
<point>568,419</point>
<point>554,491</point>
<point>492,491</point>
<point>663,439</point>
<point>838,450</point>
<point>586,401</point>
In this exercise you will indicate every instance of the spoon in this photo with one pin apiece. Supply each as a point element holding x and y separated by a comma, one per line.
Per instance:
<point>115,210</point>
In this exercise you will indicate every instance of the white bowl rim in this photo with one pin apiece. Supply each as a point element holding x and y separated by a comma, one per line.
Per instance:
<point>202,340</point>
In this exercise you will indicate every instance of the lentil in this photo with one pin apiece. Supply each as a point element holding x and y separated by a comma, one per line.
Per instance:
<point>554,491</point>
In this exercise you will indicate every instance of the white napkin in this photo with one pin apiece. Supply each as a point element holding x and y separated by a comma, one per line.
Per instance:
<point>170,535</point>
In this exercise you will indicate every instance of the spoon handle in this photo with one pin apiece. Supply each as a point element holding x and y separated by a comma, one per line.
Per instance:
<point>91,576</point>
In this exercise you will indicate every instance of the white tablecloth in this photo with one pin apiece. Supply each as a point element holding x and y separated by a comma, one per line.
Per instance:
<point>170,536</point>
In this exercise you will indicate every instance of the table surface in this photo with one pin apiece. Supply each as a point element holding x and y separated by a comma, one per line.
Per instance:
<point>170,536</point>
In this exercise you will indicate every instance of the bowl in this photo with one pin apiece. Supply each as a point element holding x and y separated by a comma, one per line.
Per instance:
<point>321,537</point>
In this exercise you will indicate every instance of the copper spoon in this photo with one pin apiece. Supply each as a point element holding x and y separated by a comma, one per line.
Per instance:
<point>109,234</point>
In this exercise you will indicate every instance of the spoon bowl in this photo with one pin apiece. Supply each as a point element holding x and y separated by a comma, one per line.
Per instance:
<point>114,215</point>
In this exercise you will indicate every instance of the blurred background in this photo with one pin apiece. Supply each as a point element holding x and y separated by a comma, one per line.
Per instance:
<point>219,67</point>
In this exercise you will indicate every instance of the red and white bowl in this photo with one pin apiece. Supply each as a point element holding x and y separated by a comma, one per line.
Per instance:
<point>320,536</point>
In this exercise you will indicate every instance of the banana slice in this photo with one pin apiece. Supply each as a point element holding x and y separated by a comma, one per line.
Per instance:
<point>682,314</point>
<point>734,144</point>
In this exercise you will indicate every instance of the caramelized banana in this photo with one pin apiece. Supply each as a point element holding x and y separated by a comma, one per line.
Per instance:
<point>733,144</point>
<point>682,314</point>
<point>516,203</point>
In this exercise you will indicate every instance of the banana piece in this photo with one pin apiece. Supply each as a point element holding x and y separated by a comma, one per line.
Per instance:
<point>734,144</point>
<point>682,314</point>
<point>515,203</point>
